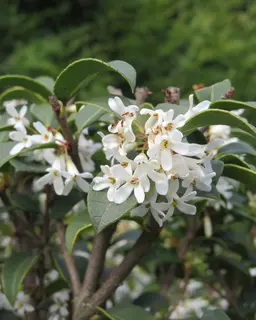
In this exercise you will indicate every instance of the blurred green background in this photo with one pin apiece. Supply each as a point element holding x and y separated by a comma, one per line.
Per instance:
<point>169,42</point>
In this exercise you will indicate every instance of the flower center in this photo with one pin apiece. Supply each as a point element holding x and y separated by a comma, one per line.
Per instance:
<point>124,164</point>
<point>17,118</point>
<point>169,126</point>
<point>112,180</point>
<point>19,305</point>
<point>147,205</point>
<point>155,115</point>
<point>55,173</point>
<point>174,203</point>
<point>46,137</point>
<point>164,144</point>
<point>134,180</point>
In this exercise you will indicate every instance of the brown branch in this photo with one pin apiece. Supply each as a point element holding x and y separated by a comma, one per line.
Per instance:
<point>86,308</point>
<point>96,261</point>
<point>75,282</point>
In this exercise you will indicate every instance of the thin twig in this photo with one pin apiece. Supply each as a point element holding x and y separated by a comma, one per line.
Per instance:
<point>75,282</point>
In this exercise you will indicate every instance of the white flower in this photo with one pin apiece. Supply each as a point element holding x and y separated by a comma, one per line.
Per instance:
<point>156,209</point>
<point>45,135</point>
<point>51,276</point>
<point>118,107</point>
<point>59,310</point>
<point>219,132</point>
<point>180,202</point>
<point>193,110</point>
<point>109,180</point>
<point>22,304</point>
<point>86,149</point>
<point>25,141</point>
<point>44,154</point>
<point>252,272</point>
<point>18,118</point>
<point>54,176</point>
<point>135,181</point>
<point>155,120</point>
<point>73,176</point>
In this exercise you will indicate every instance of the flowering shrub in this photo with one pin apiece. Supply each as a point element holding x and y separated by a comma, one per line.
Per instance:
<point>114,196</point>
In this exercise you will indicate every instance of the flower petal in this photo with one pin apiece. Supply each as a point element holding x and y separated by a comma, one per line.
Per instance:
<point>46,179</point>
<point>186,208</point>
<point>23,111</point>
<point>139,193</point>
<point>123,193</point>
<point>17,148</point>
<point>58,185</point>
<point>69,183</point>
<point>82,184</point>
<point>166,159</point>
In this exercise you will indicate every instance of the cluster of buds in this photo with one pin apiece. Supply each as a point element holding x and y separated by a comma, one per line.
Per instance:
<point>162,165</point>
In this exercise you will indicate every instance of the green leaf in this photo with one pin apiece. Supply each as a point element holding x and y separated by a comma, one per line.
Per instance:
<point>178,108</point>
<point>237,148</point>
<point>244,136</point>
<point>26,202</point>
<point>64,204</point>
<point>244,175</point>
<point>196,137</point>
<point>217,166</point>
<point>214,92</point>
<point>213,194</point>
<point>47,82</point>
<point>79,223</point>
<point>14,271</point>
<point>5,148</point>
<point>126,311</point>
<point>212,117</point>
<point>102,212</point>
<point>153,301</point>
<point>249,110</point>
<point>25,82</point>
<point>238,265</point>
<point>214,315</point>
<point>88,115</point>
<point>233,159</point>
<point>8,315</point>
<point>6,128</point>
<point>43,112</point>
<point>21,93</point>
<point>23,166</point>
<point>79,73</point>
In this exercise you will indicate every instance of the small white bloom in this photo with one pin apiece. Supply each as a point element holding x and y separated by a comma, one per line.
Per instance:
<point>54,176</point>
<point>18,120</point>
<point>109,180</point>
<point>47,155</point>
<point>193,110</point>
<point>51,276</point>
<point>118,107</point>
<point>25,141</point>
<point>73,176</point>
<point>59,310</point>
<point>180,202</point>
<point>22,304</point>
<point>155,120</point>
<point>45,135</point>
<point>86,149</point>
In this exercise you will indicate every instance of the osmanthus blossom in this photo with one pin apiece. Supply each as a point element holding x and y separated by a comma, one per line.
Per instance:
<point>44,136</point>
<point>24,140</point>
<point>18,119</point>
<point>22,304</point>
<point>59,309</point>
<point>74,177</point>
<point>54,176</point>
<point>193,110</point>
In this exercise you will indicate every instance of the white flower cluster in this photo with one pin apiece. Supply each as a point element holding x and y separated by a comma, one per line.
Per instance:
<point>62,168</point>
<point>167,164</point>
<point>22,305</point>
<point>59,309</point>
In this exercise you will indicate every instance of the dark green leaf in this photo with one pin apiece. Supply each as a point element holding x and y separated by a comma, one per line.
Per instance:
<point>214,315</point>
<point>127,311</point>
<point>237,148</point>
<point>152,301</point>
<point>79,223</point>
<point>25,82</point>
<point>244,136</point>
<point>102,212</point>
<point>196,137</point>
<point>212,117</point>
<point>244,175</point>
<point>88,115</point>
<point>64,204</point>
<point>233,159</point>
<point>25,201</point>
<point>21,93</point>
<point>79,73</point>
<point>14,271</point>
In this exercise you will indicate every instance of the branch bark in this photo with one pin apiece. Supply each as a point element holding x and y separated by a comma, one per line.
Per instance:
<point>74,279</point>
<point>96,261</point>
<point>86,308</point>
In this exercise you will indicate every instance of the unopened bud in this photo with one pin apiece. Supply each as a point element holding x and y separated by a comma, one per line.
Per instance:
<point>142,94</point>
<point>172,95</point>
<point>198,86</point>
<point>228,95</point>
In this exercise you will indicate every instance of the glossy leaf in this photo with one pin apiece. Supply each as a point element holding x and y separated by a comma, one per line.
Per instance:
<point>23,166</point>
<point>126,311</point>
<point>237,148</point>
<point>19,93</point>
<point>213,92</point>
<point>102,212</point>
<point>48,82</point>
<point>14,271</point>
<point>214,315</point>
<point>43,112</point>
<point>79,223</point>
<point>25,82</point>
<point>243,175</point>
<point>233,159</point>
<point>244,136</point>
<point>79,73</point>
<point>213,117</point>
<point>88,115</point>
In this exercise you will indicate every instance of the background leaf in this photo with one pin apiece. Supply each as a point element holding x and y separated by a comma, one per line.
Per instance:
<point>244,175</point>
<point>14,271</point>
<point>214,315</point>
<point>21,93</point>
<point>129,311</point>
